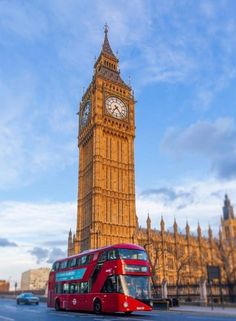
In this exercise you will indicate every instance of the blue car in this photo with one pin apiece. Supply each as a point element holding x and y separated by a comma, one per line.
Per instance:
<point>27,298</point>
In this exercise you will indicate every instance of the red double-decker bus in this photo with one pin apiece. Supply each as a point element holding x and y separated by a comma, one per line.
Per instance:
<point>110,279</point>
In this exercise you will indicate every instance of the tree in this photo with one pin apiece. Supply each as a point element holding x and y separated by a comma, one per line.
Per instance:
<point>182,260</point>
<point>225,254</point>
<point>154,254</point>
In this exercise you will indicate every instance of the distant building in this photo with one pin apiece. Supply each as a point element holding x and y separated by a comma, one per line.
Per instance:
<point>4,286</point>
<point>35,279</point>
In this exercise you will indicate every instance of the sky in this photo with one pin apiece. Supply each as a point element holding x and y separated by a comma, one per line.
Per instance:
<point>180,59</point>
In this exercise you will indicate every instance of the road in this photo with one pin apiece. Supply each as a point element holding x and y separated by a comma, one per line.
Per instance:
<point>9,311</point>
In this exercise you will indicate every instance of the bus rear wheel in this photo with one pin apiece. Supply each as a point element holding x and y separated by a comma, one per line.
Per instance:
<point>97,307</point>
<point>57,305</point>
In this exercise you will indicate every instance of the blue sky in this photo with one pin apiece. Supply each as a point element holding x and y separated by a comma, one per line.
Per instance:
<point>180,57</point>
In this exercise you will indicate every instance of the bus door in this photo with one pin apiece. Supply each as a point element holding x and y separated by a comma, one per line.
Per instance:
<point>50,290</point>
<point>65,296</point>
<point>78,296</point>
<point>85,297</point>
<point>98,267</point>
<point>109,294</point>
<point>74,302</point>
<point>51,294</point>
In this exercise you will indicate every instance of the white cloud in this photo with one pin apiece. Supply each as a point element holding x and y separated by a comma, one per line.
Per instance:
<point>32,225</point>
<point>205,205</point>
<point>212,140</point>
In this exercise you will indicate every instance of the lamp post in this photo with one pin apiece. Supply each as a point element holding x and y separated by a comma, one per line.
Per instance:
<point>97,237</point>
<point>15,287</point>
<point>153,276</point>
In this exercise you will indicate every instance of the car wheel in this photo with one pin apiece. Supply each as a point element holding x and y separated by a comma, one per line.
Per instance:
<point>97,307</point>
<point>17,302</point>
<point>57,305</point>
<point>37,303</point>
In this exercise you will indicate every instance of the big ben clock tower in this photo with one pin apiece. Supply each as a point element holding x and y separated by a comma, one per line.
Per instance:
<point>106,195</point>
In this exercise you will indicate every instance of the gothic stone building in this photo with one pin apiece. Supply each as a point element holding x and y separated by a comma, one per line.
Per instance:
<point>106,211</point>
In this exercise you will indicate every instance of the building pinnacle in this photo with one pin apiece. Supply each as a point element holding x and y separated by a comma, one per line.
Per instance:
<point>106,48</point>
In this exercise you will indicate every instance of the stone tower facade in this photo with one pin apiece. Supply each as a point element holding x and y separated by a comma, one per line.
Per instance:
<point>227,241</point>
<point>106,195</point>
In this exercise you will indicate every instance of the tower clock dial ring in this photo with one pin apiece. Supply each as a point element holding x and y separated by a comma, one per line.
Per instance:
<point>85,113</point>
<point>116,108</point>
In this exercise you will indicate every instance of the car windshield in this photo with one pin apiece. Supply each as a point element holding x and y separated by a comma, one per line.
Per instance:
<point>27,295</point>
<point>136,286</point>
<point>132,254</point>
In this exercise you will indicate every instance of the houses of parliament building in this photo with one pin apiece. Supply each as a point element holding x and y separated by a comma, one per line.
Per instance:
<point>106,212</point>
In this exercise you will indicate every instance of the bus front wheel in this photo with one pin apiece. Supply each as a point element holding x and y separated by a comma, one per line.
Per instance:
<point>128,312</point>
<point>97,307</point>
<point>57,305</point>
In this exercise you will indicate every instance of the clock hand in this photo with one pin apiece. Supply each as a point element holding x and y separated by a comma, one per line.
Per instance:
<point>115,108</point>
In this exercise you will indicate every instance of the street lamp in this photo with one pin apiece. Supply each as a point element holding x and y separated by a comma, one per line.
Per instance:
<point>15,287</point>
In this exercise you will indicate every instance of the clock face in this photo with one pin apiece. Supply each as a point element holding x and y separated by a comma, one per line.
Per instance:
<point>85,113</point>
<point>116,108</point>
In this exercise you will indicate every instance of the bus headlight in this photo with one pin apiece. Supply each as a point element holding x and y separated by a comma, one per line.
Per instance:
<point>125,304</point>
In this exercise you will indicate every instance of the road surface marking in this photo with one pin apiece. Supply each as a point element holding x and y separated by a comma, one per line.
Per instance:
<point>6,318</point>
<point>63,315</point>
<point>208,317</point>
<point>9,307</point>
<point>33,311</point>
<point>127,318</point>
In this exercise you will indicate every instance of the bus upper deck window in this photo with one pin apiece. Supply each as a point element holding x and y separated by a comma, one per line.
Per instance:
<point>73,262</point>
<point>63,265</point>
<point>102,257</point>
<point>112,255</point>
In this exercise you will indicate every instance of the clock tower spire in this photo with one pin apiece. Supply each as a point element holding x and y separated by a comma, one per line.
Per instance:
<point>107,58</point>
<point>106,48</point>
<point>106,196</point>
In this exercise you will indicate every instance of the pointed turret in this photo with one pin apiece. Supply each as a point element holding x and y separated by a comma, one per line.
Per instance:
<point>175,227</point>
<point>199,231</point>
<point>220,236</point>
<point>148,222</point>
<point>187,229</point>
<point>70,236</point>
<point>162,224</point>
<point>228,211</point>
<point>70,243</point>
<point>210,233</point>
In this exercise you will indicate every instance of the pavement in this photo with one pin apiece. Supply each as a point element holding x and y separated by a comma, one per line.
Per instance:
<point>223,311</point>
